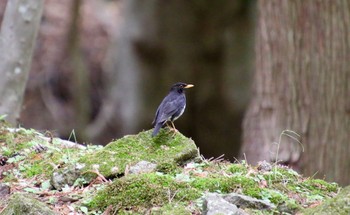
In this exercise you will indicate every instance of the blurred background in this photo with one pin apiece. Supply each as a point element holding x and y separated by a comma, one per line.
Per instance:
<point>271,77</point>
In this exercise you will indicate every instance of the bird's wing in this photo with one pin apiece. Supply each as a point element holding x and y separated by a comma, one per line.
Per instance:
<point>160,109</point>
<point>169,108</point>
<point>156,116</point>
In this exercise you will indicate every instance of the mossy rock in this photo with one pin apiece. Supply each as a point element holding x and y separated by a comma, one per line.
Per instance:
<point>152,191</point>
<point>165,148</point>
<point>337,205</point>
<point>140,193</point>
<point>20,203</point>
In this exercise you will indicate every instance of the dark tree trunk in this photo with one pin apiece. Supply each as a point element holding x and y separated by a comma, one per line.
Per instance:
<point>302,84</point>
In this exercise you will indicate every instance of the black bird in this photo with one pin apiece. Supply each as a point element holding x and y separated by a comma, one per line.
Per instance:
<point>172,107</point>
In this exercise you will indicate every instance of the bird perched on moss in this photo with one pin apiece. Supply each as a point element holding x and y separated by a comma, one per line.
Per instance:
<point>172,107</point>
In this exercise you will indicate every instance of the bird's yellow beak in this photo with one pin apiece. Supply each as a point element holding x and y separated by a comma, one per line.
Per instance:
<point>189,86</point>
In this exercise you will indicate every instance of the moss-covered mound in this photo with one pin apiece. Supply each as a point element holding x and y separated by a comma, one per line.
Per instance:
<point>34,153</point>
<point>20,203</point>
<point>281,186</point>
<point>140,192</point>
<point>167,150</point>
<point>338,205</point>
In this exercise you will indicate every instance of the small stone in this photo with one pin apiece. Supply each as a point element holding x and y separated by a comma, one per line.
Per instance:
<point>264,166</point>
<point>3,160</point>
<point>4,190</point>
<point>66,176</point>
<point>214,204</point>
<point>20,203</point>
<point>39,148</point>
<point>243,201</point>
<point>142,167</point>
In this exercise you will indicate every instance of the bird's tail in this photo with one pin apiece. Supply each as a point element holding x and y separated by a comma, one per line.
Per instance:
<point>156,129</point>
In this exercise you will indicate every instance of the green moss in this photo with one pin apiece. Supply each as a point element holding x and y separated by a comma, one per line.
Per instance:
<point>336,205</point>
<point>164,148</point>
<point>168,168</point>
<point>172,208</point>
<point>143,191</point>
<point>224,184</point>
<point>36,168</point>
<point>313,189</point>
<point>21,203</point>
<point>292,205</point>
<point>318,186</point>
<point>237,168</point>
<point>212,184</point>
<point>6,142</point>
<point>273,196</point>
<point>149,190</point>
<point>14,142</point>
<point>281,174</point>
<point>43,163</point>
<point>153,189</point>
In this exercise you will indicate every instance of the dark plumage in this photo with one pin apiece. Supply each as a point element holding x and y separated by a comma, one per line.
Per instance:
<point>172,106</point>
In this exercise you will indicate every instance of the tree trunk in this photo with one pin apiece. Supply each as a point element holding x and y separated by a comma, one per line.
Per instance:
<point>302,84</point>
<point>18,35</point>
<point>81,74</point>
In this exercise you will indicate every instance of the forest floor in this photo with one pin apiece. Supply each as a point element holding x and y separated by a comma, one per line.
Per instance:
<point>141,174</point>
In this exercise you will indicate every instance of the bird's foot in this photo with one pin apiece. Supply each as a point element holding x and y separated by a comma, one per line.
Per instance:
<point>173,130</point>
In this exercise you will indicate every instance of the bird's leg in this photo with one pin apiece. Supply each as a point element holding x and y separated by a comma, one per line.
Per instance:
<point>169,126</point>
<point>173,126</point>
<point>174,129</point>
